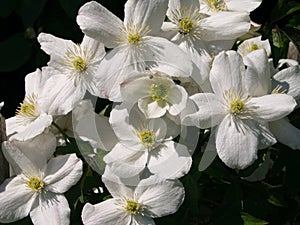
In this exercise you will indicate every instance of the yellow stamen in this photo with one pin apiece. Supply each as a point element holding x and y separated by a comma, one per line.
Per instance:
<point>237,106</point>
<point>134,38</point>
<point>158,92</point>
<point>185,25</point>
<point>132,207</point>
<point>147,138</point>
<point>79,64</point>
<point>35,184</point>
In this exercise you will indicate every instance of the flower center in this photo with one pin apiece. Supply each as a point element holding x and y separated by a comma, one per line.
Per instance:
<point>158,92</point>
<point>147,138</point>
<point>254,47</point>
<point>134,38</point>
<point>79,64</point>
<point>28,108</point>
<point>132,207</point>
<point>237,106</point>
<point>35,184</point>
<point>216,5</point>
<point>185,25</point>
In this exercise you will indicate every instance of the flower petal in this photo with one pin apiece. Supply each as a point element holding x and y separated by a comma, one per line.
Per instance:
<point>16,200</point>
<point>99,23</point>
<point>236,144</point>
<point>62,173</point>
<point>125,162</point>
<point>272,107</point>
<point>152,109</point>
<point>289,79</point>
<point>210,112</point>
<point>257,77</point>
<point>225,26</point>
<point>160,197</point>
<point>242,5</point>
<point>146,13</point>
<point>227,72</point>
<point>55,206</point>
<point>286,133</point>
<point>170,160</point>
<point>107,212</point>
<point>54,46</point>
<point>177,98</point>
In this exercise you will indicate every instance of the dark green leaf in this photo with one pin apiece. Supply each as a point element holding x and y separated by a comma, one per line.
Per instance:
<point>251,220</point>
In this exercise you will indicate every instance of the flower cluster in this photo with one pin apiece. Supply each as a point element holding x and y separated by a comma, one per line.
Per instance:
<point>166,69</point>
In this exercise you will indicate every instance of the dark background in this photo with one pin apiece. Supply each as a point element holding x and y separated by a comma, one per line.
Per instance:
<point>22,20</point>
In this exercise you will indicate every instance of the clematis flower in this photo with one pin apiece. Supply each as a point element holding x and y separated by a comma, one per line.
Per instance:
<point>32,116</point>
<point>254,44</point>
<point>241,121</point>
<point>135,205</point>
<point>203,36</point>
<point>156,94</point>
<point>38,188</point>
<point>72,70</point>
<point>145,143</point>
<point>134,42</point>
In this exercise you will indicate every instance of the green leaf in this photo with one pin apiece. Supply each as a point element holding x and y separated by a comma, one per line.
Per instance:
<point>293,33</point>
<point>251,220</point>
<point>15,52</point>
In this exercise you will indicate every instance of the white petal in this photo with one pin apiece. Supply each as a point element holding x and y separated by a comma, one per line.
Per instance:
<point>38,149</point>
<point>142,220</point>
<point>257,77</point>
<point>177,97</point>
<point>160,198</point>
<point>62,173</point>
<point>16,200</point>
<point>92,127</point>
<point>55,206</point>
<point>210,152</point>
<point>137,87</point>
<point>176,5</point>
<point>99,23</point>
<point>34,82</point>
<point>19,161</point>
<point>170,160</point>
<point>126,133</point>
<point>210,112</point>
<point>107,212</point>
<point>225,26</point>
<point>146,13</point>
<point>96,48</point>
<point>227,72</point>
<point>272,107</point>
<point>164,56</point>
<point>242,5</point>
<point>125,162</point>
<point>32,129</point>
<point>60,93</point>
<point>286,133</point>
<point>289,79</point>
<point>54,46</point>
<point>236,144</point>
<point>151,108</point>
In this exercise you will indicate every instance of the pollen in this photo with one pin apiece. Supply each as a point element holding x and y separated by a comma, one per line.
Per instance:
<point>147,138</point>
<point>132,207</point>
<point>35,184</point>
<point>79,64</point>
<point>134,39</point>
<point>158,92</point>
<point>254,47</point>
<point>237,106</point>
<point>185,25</point>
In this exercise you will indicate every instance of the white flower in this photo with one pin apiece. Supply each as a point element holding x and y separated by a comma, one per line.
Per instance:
<point>254,44</point>
<point>202,36</point>
<point>38,188</point>
<point>145,143</point>
<point>135,205</point>
<point>74,69</point>
<point>133,42</point>
<point>156,94</point>
<point>32,116</point>
<point>240,119</point>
